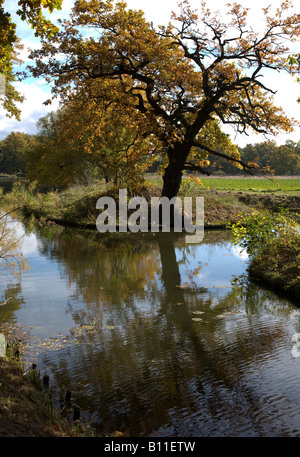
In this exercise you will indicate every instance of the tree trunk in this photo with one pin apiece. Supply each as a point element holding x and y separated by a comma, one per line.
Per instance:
<point>171,181</point>
<point>177,155</point>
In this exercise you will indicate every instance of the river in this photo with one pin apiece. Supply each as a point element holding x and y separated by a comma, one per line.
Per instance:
<point>155,337</point>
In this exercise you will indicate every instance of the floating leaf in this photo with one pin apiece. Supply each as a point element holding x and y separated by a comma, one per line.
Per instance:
<point>88,327</point>
<point>183,286</point>
<point>217,287</point>
<point>2,345</point>
<point>229,313</point>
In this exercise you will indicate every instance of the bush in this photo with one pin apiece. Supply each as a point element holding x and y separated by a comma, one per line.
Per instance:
<point>273,244</point>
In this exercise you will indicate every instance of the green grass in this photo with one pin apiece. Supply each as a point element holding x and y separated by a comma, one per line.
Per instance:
<point>253,184</point>
<point>241,184</point>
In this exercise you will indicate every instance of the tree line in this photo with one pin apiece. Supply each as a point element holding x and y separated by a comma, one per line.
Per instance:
<point>53,157</point>
<point>281,160</point>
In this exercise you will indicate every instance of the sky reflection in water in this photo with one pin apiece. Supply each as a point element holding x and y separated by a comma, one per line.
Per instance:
<point>152,337</point>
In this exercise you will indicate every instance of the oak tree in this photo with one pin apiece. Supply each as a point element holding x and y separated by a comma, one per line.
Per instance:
<point>185,80</point>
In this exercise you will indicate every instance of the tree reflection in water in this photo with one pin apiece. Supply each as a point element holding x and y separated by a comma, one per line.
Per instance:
<point>140,361</point>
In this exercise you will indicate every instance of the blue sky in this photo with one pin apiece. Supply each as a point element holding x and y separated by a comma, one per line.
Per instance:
<point>37,91</point>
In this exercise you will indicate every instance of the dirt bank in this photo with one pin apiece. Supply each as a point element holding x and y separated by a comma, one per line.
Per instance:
<point>269,201</point>
<point>24,410</point>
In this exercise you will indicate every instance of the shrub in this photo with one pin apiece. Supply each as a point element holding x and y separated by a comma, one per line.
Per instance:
<point>273,244</point>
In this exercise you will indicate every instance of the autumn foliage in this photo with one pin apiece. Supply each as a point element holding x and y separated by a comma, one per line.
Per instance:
<point>31,11</point>
<point>174,86</point>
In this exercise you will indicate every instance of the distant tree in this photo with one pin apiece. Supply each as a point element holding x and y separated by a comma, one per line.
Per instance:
<point>281,159</point>
<point>182,78</point>
<point>13,151</point>
<point>260,153</point>
<point>52,161</point>
<point>287,160</point>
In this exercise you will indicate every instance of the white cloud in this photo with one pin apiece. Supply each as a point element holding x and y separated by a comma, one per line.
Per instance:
<point>240,253</point>
<point>32,109</point>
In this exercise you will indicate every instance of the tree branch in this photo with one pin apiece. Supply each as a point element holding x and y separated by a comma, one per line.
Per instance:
<point>223,155</point>
<point>191,167</point>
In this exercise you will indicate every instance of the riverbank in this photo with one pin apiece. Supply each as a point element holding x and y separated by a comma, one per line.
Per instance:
<point>272,241</point>
<point>77,205</point>
<point>277,268</point>
<point>27,411</point>
<point>277,265</point>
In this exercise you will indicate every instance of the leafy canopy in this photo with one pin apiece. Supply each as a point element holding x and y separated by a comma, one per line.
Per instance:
<point>32,12</point>
<point>183,80</point>
<point>74,143</point>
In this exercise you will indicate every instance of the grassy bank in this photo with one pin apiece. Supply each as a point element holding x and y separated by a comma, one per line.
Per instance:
<point>77,205</point>
<point>273,244</point>
<point>26,411</point>
<point>277,266</point>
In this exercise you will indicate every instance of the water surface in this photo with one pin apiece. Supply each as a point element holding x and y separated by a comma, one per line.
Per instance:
<point>153,338</point>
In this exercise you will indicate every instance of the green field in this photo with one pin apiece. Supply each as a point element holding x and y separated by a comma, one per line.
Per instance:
<point>253,184</point>
<point>240,184</point>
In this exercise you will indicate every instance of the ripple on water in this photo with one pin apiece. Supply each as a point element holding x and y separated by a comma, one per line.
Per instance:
<point>149,366</point>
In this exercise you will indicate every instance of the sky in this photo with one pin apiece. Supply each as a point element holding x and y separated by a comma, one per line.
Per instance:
<point>37,91</point>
